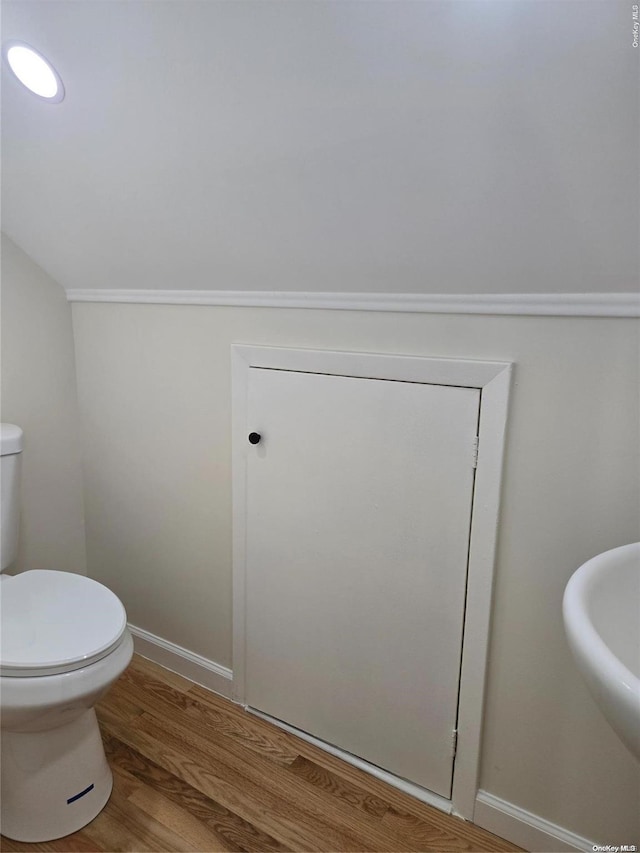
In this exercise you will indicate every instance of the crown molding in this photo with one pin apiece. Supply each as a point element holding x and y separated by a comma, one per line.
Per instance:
<point>526,304</point>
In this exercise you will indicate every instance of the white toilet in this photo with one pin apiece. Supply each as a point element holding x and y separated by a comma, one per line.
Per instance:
<point>63,642</point>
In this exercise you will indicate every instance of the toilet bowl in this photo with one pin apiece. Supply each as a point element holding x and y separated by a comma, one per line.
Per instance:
<point>63,641</point>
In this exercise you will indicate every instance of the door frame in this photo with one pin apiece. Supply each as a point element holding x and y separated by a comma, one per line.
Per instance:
<point>492,379</point>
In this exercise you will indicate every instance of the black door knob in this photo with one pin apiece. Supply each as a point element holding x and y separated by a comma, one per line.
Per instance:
<point>254,437</point>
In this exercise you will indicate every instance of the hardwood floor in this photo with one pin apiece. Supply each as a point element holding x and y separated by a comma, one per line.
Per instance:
<point>194,772</point>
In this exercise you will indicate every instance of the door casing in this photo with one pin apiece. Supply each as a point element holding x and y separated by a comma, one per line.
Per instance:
<point>493,380</point>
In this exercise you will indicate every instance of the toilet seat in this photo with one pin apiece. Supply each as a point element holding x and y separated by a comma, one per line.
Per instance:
<point>55,622</point>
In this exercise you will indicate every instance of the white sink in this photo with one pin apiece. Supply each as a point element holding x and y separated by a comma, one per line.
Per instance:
<point>601,610</point>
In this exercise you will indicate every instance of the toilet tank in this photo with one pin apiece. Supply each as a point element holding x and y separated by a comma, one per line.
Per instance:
<point>11,455</point>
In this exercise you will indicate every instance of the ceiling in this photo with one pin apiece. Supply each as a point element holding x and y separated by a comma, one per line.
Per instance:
<point>414,146</point>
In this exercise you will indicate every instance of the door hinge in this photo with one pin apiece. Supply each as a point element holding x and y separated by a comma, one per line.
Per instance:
<point>476,442</point>
<point>454,742</point>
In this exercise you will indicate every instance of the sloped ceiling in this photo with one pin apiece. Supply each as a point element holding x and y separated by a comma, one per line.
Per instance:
<point>327,145</point>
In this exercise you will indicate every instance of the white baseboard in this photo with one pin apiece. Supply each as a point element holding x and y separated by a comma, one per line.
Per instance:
<point>196,668</point>
<point>525,829</point>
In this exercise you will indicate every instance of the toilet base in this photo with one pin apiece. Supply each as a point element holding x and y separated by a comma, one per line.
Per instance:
<point>53,782</point>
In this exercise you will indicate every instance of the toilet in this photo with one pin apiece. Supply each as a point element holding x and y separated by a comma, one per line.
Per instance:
<point>63,641</point>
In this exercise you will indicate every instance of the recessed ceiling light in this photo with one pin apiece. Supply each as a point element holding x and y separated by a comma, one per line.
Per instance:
<point>34,71</point>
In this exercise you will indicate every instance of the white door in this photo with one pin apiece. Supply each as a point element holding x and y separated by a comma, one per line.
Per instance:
<point>359,499</point>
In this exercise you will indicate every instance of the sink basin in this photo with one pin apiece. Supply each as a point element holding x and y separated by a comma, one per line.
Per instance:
<point>601,609</point>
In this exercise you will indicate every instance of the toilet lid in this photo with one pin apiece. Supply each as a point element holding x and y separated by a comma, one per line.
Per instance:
<point>54,622</point>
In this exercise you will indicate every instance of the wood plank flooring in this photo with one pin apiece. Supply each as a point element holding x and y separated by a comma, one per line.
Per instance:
<point>194,772</point>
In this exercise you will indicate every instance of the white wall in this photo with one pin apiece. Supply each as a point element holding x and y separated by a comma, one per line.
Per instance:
<point>154,392</point>
<point>39,394</point>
